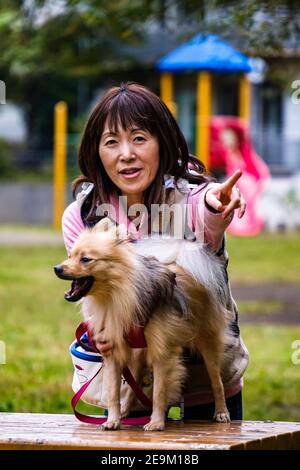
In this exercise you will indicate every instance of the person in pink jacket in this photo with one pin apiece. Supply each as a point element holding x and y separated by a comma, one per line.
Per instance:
<point>133,159</point>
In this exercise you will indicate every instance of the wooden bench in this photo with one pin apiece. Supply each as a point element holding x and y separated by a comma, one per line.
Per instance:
<point>52,431</point>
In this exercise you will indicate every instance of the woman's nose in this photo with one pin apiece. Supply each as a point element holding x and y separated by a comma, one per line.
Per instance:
<point>126,152</point>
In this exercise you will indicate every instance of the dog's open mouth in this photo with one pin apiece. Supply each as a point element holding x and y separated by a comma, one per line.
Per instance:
<point>79,288</point>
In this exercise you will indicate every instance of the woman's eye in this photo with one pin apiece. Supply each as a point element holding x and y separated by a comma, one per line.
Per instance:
<point>85,259</point>
<point>140,138</point>
<point>110,142</point>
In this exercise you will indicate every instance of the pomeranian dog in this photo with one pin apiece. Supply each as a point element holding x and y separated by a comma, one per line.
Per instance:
<point>119,287</point>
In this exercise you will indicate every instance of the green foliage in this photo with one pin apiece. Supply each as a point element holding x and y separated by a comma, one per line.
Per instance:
<point>257,26</point>
<point>77,41</point>
<point>50,54</point>
<point>85,38</point>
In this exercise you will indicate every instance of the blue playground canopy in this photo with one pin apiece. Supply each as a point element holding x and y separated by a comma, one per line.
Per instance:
<point>205,52</point>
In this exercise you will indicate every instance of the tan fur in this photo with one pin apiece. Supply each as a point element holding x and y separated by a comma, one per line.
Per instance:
<point>112,307</point>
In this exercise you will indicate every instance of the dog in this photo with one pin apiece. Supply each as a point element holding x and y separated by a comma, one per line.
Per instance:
<point>119,287</point>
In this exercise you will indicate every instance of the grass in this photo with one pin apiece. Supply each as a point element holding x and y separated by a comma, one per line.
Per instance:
<point>268,258</point>
<point>259,307</point>
<point>25,228</point>
<point>272,381</point>
<point>38,326</point>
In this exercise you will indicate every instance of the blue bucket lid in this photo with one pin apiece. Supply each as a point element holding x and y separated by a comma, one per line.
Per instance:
<point>77,351</point>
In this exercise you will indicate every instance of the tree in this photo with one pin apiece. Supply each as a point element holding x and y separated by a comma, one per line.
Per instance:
<point>79,38</point>
<point>48,46</point>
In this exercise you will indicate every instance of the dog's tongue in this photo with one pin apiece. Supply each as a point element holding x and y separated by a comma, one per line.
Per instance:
<point>79,288</point>
<point>72,293</point>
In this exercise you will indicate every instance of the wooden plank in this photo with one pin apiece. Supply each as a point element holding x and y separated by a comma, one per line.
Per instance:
<point>50,431</point>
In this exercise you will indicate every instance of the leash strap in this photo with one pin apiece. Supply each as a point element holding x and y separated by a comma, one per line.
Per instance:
<point>80,331</point>
<point>135,387</point>
<point>99,420</point>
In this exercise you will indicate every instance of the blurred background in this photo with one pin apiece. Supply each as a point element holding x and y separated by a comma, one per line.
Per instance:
<point>234,87</point>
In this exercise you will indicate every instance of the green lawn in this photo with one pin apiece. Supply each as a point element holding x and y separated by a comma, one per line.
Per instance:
<point>266,258</point>
<point>38,325</point>
<point>272,381</point>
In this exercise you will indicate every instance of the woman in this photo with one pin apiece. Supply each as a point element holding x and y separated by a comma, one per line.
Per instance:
<point>133,158</point>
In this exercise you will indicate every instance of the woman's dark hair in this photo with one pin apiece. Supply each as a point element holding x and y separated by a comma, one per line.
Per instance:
<point>128,105</point>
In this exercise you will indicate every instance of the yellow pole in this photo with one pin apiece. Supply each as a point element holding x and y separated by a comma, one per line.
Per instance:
<point>203,113</point>
<point>245,99</point>
<point>167,91</point>
<point>59,170</point>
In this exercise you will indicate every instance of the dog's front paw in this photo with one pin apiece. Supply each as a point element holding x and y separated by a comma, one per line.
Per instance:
<point>157,425</point>
<point>111,425</point>
<point>222,416</point>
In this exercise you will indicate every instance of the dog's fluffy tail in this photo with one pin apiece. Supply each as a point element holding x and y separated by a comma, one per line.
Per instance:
<point>205,267</point>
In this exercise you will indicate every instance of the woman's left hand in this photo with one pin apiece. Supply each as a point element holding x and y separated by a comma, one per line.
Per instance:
<point>226,197</point>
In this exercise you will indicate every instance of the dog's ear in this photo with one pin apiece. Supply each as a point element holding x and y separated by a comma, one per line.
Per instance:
<point>116,232</point>
<point>120,233</point>
<point>104,225</point>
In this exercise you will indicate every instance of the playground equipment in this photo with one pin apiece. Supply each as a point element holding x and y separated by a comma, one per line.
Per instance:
<point>231,149</point>
<point>205,54</point>
<point>60,156</point>
<point>221,142</point>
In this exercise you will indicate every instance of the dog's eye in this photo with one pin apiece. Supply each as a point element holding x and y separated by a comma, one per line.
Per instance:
<point>85,259</point>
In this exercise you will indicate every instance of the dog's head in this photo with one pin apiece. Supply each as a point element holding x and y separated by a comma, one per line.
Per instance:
<point>97,260</point>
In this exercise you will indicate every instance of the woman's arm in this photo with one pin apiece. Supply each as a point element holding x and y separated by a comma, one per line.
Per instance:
<point>226,197</point>
<point>212,208</point>
<point>72,225</point>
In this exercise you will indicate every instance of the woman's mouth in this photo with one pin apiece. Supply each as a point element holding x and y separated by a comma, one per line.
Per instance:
<point>129,173</point>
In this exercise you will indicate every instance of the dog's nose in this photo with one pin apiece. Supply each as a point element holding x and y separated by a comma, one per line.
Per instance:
<point>58,269</point>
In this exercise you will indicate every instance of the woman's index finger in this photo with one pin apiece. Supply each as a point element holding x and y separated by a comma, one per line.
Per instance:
<point>230,182</point>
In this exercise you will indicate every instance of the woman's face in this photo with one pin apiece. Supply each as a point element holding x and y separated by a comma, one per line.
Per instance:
<point>131,160</point>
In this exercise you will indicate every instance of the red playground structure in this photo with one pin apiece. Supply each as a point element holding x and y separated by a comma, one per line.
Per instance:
<point>231,149</point>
